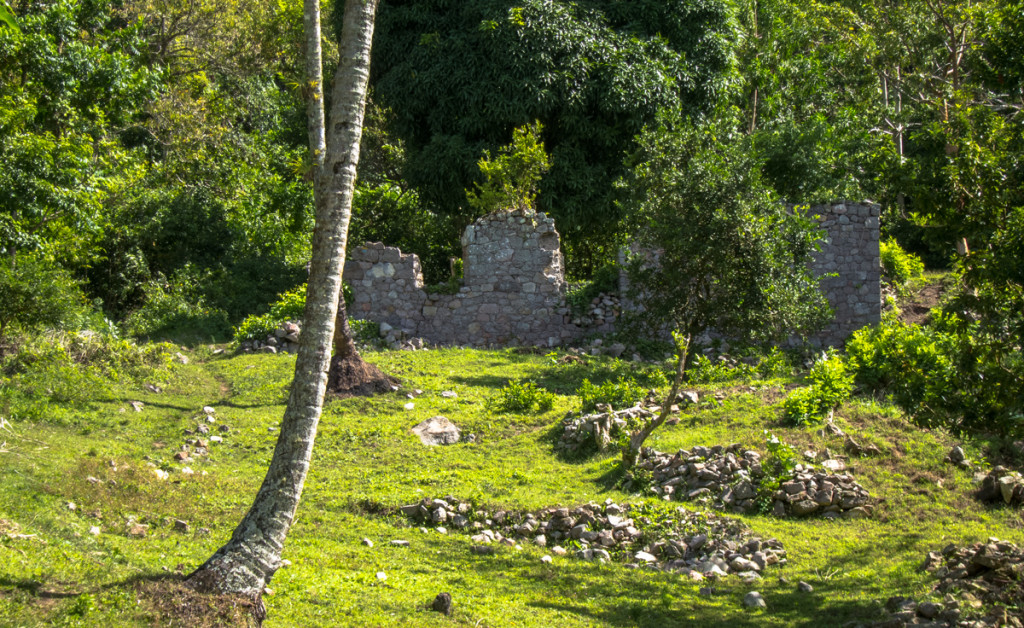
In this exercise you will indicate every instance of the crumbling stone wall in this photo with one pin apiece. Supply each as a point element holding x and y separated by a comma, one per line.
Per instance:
<point>850,267</point>
<point>513,289</point>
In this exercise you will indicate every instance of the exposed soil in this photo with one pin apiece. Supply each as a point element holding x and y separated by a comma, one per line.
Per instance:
<point>175,604</point>
<point>916,309</point>
<point>354,377</point>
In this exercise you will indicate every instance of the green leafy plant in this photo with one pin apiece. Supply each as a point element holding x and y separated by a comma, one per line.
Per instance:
<point>521,396</point>
<point>36,294</point>
<point>511,178</point>
<point>623,393</point>
<point>831,385</point>
<point>778,467</point>
<point>900,268</point>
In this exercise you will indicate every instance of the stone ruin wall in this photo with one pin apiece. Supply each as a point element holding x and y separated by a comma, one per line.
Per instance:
<point>850,266</point>
<point>513,290</point>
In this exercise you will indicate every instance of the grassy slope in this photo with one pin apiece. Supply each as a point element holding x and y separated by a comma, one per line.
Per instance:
<point>365,455</point>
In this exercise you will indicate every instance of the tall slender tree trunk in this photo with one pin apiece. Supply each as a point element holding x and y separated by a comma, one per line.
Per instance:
<point>248,561</point>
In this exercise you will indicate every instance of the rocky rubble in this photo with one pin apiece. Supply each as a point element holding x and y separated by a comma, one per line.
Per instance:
<point>596,431</point>
<point>731,477</point>
<point>284,339</point>
<point>1002,485</point>
<point>603,309</point>
<point>699,545</point>
<point>980,584</point>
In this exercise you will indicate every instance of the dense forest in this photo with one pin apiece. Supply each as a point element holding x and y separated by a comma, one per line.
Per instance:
<point>156,181</point>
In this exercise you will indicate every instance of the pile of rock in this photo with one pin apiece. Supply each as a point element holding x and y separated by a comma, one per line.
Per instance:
<point>284,339</point>
<point>591,432</point>
<point>603,310</point>
<point>698,545</point>
<point>400,339</point>
<point>983,578</point>
<point>1003,485</point>
<point>596,431</point>
<point>731,477</point>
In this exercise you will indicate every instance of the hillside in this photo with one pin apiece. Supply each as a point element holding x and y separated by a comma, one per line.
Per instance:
<point>91,534</point>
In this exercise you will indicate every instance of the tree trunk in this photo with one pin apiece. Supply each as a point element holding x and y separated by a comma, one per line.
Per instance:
<point>636,439</point>
<point>248,561</point>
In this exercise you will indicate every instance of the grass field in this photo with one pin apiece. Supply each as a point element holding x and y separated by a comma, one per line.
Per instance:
<point>88,534</point>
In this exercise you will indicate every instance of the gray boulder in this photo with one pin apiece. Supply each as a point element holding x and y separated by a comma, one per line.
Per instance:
<point>437,430</point>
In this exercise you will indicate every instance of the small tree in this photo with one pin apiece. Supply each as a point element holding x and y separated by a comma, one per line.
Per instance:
<point>729,256</point>
<point>513,175</point>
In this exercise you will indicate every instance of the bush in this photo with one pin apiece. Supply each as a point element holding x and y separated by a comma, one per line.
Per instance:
<point>175,310</point>
<point>35,294</point>
<point>624,393</point>
<point>831,385</point>
<point>289,306</point>
<point>899,267</point>
<point>521,397</point>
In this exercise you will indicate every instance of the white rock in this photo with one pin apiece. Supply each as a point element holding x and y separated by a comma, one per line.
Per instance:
<point>543,559</point>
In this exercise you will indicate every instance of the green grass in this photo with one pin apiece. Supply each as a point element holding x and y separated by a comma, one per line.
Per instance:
<point>54,572</point>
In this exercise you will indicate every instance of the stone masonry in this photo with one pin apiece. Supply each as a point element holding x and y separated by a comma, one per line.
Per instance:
<point>850,267</point>
<point>513,290</point>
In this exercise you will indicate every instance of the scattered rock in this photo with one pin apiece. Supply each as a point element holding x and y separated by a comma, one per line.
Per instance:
<point>94,530</point>
<point>136,405</point>
<point>437,430</point>
<point>382,576</point>
<point>754,600</point>
<point>1003,485</point>
<point>442,604</point>
<point>804,587</point>
<point>180,525</point>
<point>448,394</point>
<point>367,542</point>
<point>546,559</point>
<point>400,543</point>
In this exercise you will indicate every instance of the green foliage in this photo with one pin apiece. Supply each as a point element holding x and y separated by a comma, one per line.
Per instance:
<point>623,393</point>
<point>289,306</point>
<point>511,178</point>
<point>899,267</point>
<point>831,385</point>
<point>521,396</point>
<point>36,294</point>
<point>778,467</point>
<point>460,76</point>
<point>605,280</point>
<point>176,310</point>
<point>730,257</point>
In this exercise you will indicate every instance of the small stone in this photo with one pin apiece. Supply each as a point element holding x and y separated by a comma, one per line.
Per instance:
<point>180,525</point>
<point>645,557</point>
<point>409,406</point>
<point>448,394</point>
<point>382,576</point>
<point>136,405</point>
<point>804,587</point>
<point>442,604</point>
<point>367,542</point>
<point>546,559</point>
<point>558,550</point>
<point>754,600</point>
<point>400,543</point>
<point>94,530</point>
<point>137,530</point>
<point>209,410</point>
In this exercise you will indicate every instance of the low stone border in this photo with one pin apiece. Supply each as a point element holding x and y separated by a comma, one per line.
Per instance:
<point>699,545</point>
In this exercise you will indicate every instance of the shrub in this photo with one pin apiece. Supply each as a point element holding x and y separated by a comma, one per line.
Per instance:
<point>624,393</point>
<point>36,294</point>
<point>176,310</point>
<point>521,397</point>
<point>289,306</point>
<point>831,385</point>
<point>899,267</point>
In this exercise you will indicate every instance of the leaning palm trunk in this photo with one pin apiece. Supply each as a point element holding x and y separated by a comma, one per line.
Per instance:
<point>247,562</point>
